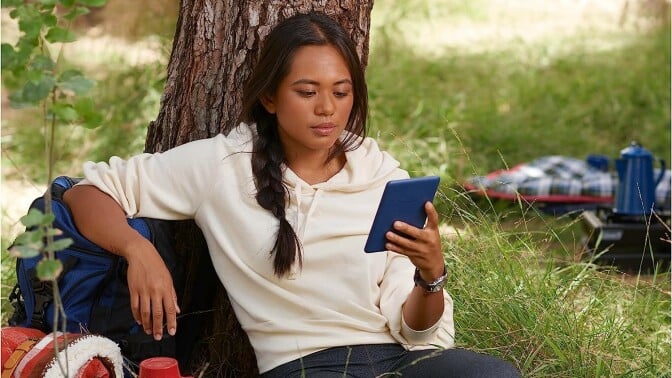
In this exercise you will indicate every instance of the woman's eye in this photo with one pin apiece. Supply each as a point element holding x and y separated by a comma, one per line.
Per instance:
<point>341,94</point>
<point>306,93</point>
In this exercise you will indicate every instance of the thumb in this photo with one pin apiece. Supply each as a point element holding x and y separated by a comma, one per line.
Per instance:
<point>432,216</point>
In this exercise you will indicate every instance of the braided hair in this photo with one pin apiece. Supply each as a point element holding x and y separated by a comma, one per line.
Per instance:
<point>311,29</point>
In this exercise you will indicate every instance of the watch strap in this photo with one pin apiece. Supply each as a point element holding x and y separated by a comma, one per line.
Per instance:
<point>431,287</point>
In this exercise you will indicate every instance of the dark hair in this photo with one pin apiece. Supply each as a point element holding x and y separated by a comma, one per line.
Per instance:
<point>274,64</point>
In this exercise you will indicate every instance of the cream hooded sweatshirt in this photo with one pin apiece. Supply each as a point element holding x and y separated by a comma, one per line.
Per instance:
<point>341,295</point>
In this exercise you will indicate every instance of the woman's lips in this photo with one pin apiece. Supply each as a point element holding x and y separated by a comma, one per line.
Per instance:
<point>324,129</point>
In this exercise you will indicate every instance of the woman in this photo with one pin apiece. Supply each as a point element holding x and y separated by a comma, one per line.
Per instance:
<point>285,202</point>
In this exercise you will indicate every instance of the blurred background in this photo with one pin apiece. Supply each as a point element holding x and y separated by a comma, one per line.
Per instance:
<point>471,86</point>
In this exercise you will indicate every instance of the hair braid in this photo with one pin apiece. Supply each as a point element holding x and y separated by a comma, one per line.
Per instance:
<point>275,59</point>
<point>272,195</point>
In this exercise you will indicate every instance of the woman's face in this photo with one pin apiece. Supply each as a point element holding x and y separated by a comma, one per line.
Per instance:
<point>313,102</point>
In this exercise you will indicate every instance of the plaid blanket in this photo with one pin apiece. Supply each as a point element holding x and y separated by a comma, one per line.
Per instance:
<point>558,179</point>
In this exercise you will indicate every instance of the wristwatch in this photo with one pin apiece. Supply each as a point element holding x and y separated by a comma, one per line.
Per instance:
<point>432,287</point>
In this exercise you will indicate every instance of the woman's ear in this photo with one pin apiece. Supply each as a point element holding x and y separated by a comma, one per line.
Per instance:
<point>268,103</point>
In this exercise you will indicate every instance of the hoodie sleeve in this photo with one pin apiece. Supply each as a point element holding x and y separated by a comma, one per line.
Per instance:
<point>396,285</point>
<point>168,185</point>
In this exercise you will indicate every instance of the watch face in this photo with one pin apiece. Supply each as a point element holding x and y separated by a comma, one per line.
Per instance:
<point>437,287</point>
<point>433,287</point>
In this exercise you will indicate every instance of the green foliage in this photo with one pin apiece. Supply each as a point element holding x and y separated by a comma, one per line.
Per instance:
<point>34,74</point>
<point>125,99</point>
<point>36,79</point>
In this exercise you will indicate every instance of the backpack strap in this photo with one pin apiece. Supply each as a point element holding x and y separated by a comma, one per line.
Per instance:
<point>42,290</point>
<point>44,295</point>
<point>16,356</point>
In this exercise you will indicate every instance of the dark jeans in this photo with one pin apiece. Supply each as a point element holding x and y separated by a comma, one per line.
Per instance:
<point>392,360</point>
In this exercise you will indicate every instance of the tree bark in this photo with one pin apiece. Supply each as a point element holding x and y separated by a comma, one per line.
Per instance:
<point>216,44</point>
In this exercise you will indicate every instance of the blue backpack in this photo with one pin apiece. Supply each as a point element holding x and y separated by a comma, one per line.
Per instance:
<point>93,286</point>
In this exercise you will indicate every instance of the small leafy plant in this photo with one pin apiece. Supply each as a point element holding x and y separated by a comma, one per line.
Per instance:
<point>36,75</point>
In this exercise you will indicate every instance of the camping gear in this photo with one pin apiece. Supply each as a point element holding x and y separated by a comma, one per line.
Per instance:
<point>93,287</point>
<point>636,193</point>
<point>160,367</point>
<point>28,352</point>
<point>625,214</point>
<point>635,232</point>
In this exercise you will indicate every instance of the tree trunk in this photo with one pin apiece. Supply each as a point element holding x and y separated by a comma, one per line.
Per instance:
<point>215,46</point>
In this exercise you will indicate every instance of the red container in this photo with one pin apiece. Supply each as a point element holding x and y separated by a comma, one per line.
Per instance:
<point>159,367</point>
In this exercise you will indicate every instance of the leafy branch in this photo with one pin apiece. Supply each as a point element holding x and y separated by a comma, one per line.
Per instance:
<point>36,75</point>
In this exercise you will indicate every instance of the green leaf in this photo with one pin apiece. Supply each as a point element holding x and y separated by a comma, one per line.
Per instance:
<point>48,219</point>
<point>43,62</point>
<point>34,75</point>
<point>64,112</point>
<point>91,118</point>
<point>76,12</point>
<point>49,19</point>
<point>11,3</point>
<point>29,18</point>
<point>34,218</point>
<point>16,100</point>
<point>25,48</point>
<point>48,2</point>
<point>30,237</point>
<point>23,251</point>
<point>59,245</point>
<point>34,92</point>
<point>31,26</point>
<point>67,3</point>
<point>93,3</point>
<point>48,270</point>
<point>73,80</point>
<point>58,34</point>
<point>7,56</point>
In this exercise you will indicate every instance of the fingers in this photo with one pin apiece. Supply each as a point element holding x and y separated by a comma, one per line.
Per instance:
<point>432,216</point>
<point>154,305</point>
<point>421,245</point>
<point>135,307</point>
<point>172,309</point>
<point>157,317</point>
<point>152,312</point>
<point>419,234</point>
<point>146,313</point>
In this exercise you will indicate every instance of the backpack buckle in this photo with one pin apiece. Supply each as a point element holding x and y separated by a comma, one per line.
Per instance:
<point>43,298</point>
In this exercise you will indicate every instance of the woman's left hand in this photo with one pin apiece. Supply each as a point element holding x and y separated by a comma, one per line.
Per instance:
<point>422,246</point>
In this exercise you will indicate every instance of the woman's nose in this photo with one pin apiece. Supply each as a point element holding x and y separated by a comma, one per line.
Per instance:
<point>325,105</point>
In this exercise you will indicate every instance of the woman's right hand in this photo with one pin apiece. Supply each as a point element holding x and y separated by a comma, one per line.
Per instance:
<point>151,288</point>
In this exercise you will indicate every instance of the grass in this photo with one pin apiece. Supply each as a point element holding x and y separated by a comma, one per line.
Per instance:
<point>506,111</point>
<point>521,287</point>
<point>553,318</point>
